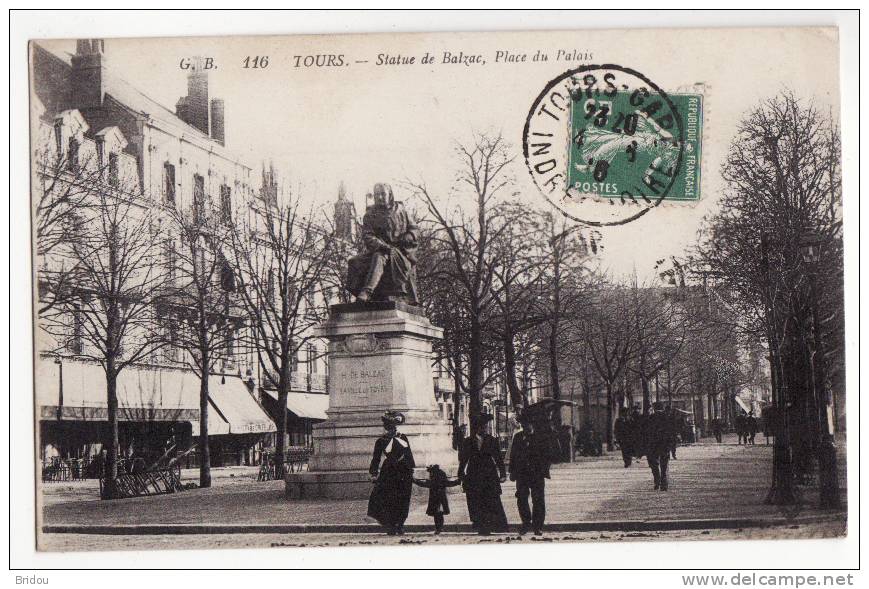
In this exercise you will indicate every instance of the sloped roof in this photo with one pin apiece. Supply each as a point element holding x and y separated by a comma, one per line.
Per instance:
<point>130,97</point>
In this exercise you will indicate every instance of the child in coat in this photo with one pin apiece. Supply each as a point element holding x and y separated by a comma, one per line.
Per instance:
<point>438,506</point>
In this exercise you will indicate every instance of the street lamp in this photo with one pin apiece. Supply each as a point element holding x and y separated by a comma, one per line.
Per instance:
<point>828,481</point>
<point>59,362</point>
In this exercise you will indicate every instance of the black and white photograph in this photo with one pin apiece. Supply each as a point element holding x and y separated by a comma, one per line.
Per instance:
<point>537,288</point>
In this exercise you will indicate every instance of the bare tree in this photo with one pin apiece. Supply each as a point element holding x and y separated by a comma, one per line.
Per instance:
<point>518,276</point>
<point>607,328</point>
<point>115,280</point>
<point>467,233</point>
<point>282,254</point>
<point>566,283</point>
<point>201,302</point>
<point>64,187</point>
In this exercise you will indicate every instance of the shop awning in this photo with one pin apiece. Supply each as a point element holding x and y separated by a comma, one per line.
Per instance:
<point>148,394</point>
<point>305,405</point>
<point>144,394</point>
<point>233,402</point>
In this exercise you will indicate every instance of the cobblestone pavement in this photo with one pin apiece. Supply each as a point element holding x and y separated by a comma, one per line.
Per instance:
<point>80,542</point>
<point>707,481</point>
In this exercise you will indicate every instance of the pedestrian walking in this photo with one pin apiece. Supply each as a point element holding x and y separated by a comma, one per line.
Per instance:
<point>674,425</point>
<point>624,434</point>
<point>389,502</point>
<point>658,432</point>
<point>481,471</point>
<point>740,425</point>
<point>531,454</point>
<point>717,429</point>
<point>751,428</point>
<point>437,483</point>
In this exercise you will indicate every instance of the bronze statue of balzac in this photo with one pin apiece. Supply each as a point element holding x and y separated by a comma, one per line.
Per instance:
<point>386,269</point>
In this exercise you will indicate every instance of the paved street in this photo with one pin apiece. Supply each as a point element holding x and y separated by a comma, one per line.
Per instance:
<point>708,482</point>
<point>77,542</point>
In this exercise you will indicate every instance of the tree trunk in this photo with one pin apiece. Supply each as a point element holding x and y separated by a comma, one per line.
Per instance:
<point>204,449</point>
<point>457,388</point>
<point>510,371</point>
<point>281,442</point>
<point>610,417</point>
<point>111,444</point>
<point>554,376</point>
<point>646,396</point>
<point>475,368</point>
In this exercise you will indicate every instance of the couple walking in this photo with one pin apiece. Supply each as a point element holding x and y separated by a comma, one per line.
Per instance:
<point>481,472</point>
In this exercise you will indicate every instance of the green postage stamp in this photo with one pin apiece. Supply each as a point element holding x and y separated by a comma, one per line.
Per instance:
<point>611,137</point>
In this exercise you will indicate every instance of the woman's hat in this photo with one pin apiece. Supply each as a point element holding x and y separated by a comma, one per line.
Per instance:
<point>392,418</point>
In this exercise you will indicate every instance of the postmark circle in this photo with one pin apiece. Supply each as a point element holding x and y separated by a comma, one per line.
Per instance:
<point>603,144</point>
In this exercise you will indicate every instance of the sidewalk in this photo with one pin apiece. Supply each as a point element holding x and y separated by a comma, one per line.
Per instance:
<point>711,486</point>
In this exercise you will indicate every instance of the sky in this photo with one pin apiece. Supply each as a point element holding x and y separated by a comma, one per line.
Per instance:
<point>361,123</point>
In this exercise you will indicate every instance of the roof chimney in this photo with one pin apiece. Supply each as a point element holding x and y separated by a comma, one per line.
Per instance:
<point>218,124</point>
<point>88,74</point>
<point>193,108</point>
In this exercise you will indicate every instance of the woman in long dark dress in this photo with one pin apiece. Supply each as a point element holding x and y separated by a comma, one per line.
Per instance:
<point>390,500</point>
<point>481,470</point>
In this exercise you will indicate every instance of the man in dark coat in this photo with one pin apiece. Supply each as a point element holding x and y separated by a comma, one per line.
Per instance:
<point>658,437</point>
<point>717,429</point>
<point>739,425</point>
<point>750,428</point>
<point>624,433</point>
<point>531,454</point>
<point>481,471</point>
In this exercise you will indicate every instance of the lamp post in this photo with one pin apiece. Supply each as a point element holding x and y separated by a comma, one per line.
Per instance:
<point>59,362</point>
<point>828,482</point>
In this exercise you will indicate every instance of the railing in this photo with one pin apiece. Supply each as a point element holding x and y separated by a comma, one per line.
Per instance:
<point>295,460</point>
<point>56,469</point>
<point>299,381</point>
<point>444,384</point>
<point>317,382</point>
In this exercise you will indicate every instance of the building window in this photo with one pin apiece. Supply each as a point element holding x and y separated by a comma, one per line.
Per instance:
<point>198,198</point>
<point>169,183</point>
<point>72,155</point>
<point>225,204</point>
<point>169,255</point>
<point>76,341</point>
<point>58,138</point>
<point>101,153</point>
<point>230,345</point>
<point>170,333</point>
<point>294,357</point>
<point>312,359</point>
<point>113,169</point>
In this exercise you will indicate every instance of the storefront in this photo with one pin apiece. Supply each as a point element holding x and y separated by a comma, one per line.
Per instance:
<point>158,411</point>
<point>303,411</point>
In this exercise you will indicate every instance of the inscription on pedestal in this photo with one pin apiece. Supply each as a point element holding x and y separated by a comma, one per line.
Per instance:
<point>360,385</point>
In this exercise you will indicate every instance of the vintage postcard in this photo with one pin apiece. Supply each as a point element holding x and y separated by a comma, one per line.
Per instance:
<point>438,288</point>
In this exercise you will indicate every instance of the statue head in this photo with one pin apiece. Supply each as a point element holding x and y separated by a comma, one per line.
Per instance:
<point>383,194</point>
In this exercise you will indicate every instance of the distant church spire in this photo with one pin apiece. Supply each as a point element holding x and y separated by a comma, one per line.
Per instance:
<point>345,214</point>
<point>268,191</point>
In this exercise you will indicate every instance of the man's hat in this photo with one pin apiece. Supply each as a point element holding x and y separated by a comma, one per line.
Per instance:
<point>482,418</point>
<point>392,418</point>
<point>658,406</point>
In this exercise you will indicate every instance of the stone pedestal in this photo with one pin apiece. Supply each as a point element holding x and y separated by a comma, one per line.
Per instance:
<point>379,359</point>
